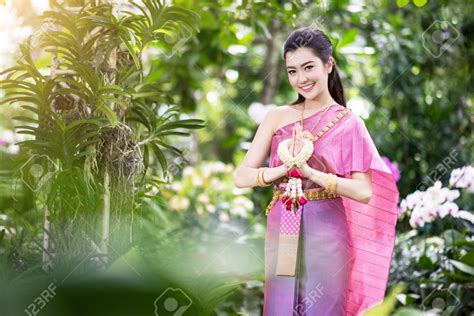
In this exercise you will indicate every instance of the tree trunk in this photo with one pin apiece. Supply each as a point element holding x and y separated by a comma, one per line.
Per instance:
<point>271,69</point>
<point>106,195</point>
<point>46,221</point>
<point>46,231</point>
<point>105,216</point>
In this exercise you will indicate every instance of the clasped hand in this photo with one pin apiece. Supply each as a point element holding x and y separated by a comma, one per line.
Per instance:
<point>296,142</point>
<point>295,146</point>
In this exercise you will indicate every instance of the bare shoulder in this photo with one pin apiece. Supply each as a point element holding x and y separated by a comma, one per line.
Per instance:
<point>281,109</point>
<point>286,114</point>
<point>277,115</point>
<point>288,108</point>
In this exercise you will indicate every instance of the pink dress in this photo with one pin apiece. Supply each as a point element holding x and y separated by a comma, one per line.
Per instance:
<point>345,247</point>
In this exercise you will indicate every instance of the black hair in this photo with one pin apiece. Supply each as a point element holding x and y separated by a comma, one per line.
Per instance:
<point>321,46</point>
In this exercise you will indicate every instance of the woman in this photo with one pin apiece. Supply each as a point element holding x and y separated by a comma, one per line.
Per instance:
<point>328,249</point>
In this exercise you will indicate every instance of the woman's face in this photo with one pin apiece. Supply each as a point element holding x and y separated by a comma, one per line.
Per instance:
<point>307,73</point>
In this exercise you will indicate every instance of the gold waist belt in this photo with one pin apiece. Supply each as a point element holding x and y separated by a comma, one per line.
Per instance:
<point>309,194</point>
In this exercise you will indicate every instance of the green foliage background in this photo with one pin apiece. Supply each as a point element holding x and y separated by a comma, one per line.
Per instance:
<point>180,107</point>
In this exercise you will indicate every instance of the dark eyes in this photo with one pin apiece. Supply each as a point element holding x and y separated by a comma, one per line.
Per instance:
<point>305,68</point>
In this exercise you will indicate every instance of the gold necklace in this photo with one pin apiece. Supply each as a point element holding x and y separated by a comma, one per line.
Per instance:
<point>307,134</point>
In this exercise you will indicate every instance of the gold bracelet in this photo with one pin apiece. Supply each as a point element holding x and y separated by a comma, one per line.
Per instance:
<point>331,183</point>
<point>260,181</point>
<point>331,186</point>
<point>259,171</point>
<point>259,177</point>
<point>334,183</point>
<point>328,182</point>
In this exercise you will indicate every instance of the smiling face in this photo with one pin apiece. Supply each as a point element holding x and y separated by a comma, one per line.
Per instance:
<point>307,74</point>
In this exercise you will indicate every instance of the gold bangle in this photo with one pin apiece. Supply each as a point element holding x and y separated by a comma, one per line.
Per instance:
<point>331,183</point>
<point>261,182</point>
<point>264,183</point>
<point>259,171</point>
<point>328,182</point>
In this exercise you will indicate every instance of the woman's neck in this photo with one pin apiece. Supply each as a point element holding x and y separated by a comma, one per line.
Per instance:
<point>319,102</point>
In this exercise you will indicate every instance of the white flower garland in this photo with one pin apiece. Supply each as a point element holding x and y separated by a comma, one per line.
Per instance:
<point>303,156</point>
<point>293,188</point>
<point>294,196</point>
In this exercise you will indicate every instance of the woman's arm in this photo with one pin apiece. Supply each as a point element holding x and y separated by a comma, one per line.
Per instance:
<point>247,176</point>
<point>246,173</point>
<point>358,188</point>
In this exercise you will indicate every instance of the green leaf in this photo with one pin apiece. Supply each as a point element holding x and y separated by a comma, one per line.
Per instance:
<point>451,235</point>
<point>388,304</point>
<point>172,148</point>
<point>468,258</point>
<point>25,119</point>
<point>348,37</point>
<point>425,263</point>
<point>173,133</point>
<point>188,123</point>
<point>161,157</point>
<point>146,158</point>
<point>108,112</point>
<point>114,100</point>
<point>405,311</point>
<point>462,266</point>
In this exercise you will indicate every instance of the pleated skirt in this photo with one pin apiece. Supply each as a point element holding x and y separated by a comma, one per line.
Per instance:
<point>320,285</point>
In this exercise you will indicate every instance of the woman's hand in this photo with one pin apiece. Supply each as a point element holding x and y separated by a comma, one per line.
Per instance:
<point>297,140</point>
<point>306,170</point>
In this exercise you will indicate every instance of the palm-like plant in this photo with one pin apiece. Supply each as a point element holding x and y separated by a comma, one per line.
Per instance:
<point>96,121</point>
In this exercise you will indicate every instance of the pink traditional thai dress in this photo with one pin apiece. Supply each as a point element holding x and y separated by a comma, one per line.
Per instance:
<point>345,246</point>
